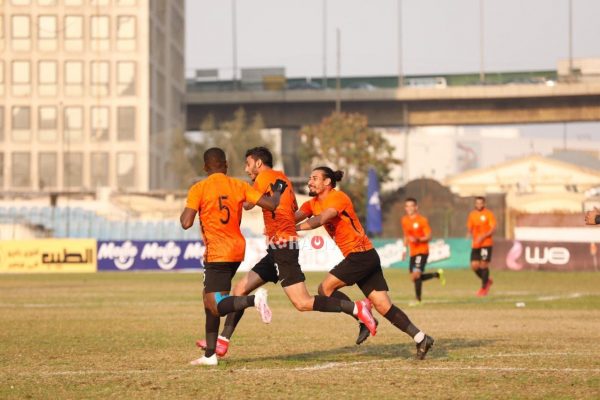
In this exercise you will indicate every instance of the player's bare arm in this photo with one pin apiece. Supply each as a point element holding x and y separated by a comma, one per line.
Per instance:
<point>187,218</point>
<point>248,206</point>
<point>317,220</point>
<point>299,216</point>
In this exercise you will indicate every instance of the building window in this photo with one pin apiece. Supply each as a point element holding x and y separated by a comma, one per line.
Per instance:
<point>21,32</point>
<point>47,170</point>
<point>47,33</point>
<point>21,169</point>
<point>47,78</point>
<point>99,169</point>
<point>73,124</point>
<point>126,85</point>
<point>47,124</point>
<point>126,26</point>
<point>73,169</point>
<point>1,125</point>
<point>1,78</point>
<point>126,123</point>
<point>126,170</point>
<point>20,2</point>
<point>73,2</point>
<point>1,170</point>
<point>126,2</point>
<point>99,2</point>
<point>73,78</point>
<point>47,2</point>
<point>21,123</point>
<point>100,123</point>
<point>73,33</point>
<point>1,30</point>
<point>100,32</point>
<point>21,78</point>
<point>100,77</point>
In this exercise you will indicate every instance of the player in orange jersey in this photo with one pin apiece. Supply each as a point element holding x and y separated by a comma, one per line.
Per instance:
<point>281,262</point>
<point>417,234</point>
<point>481,225</point>
<point>333,209</point>
<point>219,200</point>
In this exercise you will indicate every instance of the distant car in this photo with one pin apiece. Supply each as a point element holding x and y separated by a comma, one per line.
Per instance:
<point>438,82</point>
<point>362,85</point>
<point>304,85</point>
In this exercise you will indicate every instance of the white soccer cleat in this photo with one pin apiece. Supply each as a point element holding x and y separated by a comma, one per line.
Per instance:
<point>210,361</point>
<point>260,302</point>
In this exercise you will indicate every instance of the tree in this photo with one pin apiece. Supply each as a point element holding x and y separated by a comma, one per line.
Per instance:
<point>344,141</point>
<point>234,136</point>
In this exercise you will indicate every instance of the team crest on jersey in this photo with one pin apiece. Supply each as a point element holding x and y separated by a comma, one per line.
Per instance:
<point>482,217</point>
<point>415,225</point>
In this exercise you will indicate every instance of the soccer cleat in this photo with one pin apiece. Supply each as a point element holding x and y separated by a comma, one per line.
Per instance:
<point>415,303</point>
<point>363,331</point>
<point>480,292</point>
<point>209,361</point>
<point>364,315</point>
<point>424,346</point>
<point>222,345</point>
<point>442,277</point>
<point>260,302</point>
<point>487,287</point>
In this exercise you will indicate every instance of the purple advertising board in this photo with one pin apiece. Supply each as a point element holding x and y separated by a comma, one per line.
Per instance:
<point>134,255</point>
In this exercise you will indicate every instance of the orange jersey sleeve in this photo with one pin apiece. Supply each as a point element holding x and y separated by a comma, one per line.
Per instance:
<point>281,223</point>
<point>307,209</point>
<point>345,228</point>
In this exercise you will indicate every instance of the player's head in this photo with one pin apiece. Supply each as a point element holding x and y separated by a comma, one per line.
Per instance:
<point>258,158</point>
<point>215,160</point>
<point>479,203</point>
<point>410,206</point>
<point>322,179</point>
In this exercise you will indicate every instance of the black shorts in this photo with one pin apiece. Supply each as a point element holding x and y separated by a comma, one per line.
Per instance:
<point>280,264</point>
<point>218,276</point>
<point>362,269</point>
<point>418,261</point>
<point>482,254</point>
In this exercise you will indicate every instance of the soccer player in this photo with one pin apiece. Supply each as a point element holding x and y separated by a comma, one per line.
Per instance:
<point>417,234</point>
<point>281,262</point>
<point>333,209</point>
<point>592,217</point>
<point>219,200</point>
<point>481,225</point>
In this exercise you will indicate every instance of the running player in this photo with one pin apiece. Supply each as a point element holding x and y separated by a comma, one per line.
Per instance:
<point>361,266</point>
<point>219,200</point>
<point>281,262</point>
<point>481,226</point>
<point>417,234</point>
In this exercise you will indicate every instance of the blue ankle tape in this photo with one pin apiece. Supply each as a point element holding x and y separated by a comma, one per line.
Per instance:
<point>219,297</point>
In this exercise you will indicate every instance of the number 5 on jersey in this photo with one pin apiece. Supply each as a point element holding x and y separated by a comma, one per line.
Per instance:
<point>224,209</point>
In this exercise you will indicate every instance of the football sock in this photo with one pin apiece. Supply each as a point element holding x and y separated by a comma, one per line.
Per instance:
<point>401,321</point>
<point>234,303</point>
<point>331,304</point>
<point>231,322</point>
<point>212,331</point>
<point>478,273</point>
<point>418,288</point>
<point>342,296</point>
<point>485,276</point>
<point>426,277</point>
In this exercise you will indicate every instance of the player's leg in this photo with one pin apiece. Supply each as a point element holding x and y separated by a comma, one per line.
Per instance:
<point>486,281</point>
<point>415,275</point>
<point>249,283</point>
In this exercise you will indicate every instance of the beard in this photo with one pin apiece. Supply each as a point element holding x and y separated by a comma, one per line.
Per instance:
<point>311,193</point>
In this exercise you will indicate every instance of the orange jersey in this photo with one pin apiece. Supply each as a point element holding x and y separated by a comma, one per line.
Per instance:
<point>479,223</point>
<point>345,228</point>
<point>219,200</point>
<point>418,226</point>
<point>279,224</point>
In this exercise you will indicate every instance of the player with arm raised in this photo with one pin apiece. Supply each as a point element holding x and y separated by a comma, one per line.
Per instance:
<point>219,200</point>
<point>333,210</point>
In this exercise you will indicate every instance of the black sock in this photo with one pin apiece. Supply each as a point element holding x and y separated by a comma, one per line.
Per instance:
<point>418,287</point>
<point>401,321</point>
<point>331,304</point>
<point>478,273</point>
<point>426,277</point>
<point>212,331</point>
<point>234,303</point>
<point>231,322</point>
<point>342,296</point>
<point>485,276</point>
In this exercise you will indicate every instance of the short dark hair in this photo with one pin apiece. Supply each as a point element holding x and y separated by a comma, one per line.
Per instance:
<point>335,176</point>
<point>215,156</point>
<point>480,198</point>
<point>261,153</point>
<point>411,199</point>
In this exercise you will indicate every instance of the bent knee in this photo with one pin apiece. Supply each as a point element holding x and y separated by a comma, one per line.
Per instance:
<point>303,305</point>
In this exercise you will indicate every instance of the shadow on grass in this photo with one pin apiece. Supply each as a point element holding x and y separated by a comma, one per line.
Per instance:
<point>366,352</point>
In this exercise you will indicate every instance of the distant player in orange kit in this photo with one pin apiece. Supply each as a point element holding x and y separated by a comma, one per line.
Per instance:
<point>481,225</point>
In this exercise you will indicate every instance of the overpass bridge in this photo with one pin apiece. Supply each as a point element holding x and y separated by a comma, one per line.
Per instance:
<point>406,106</point>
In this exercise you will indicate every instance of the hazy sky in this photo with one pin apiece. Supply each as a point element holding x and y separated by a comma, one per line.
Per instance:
<point>439,36</point>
